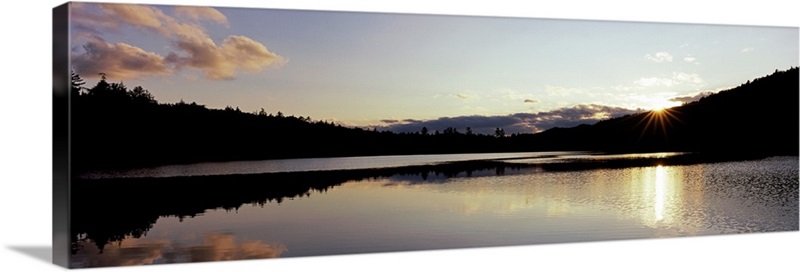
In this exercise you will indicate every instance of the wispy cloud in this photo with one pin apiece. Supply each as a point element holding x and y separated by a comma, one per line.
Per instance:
<point>530,101</point>
<point>464,95</point>
<point>691,97</point>
<point>659,57</point>
<point>748,49</point>
<point>677,78</point>
<point>195,47</point>
<point>201,13</point>
<point>697,95</point>
<point>654,81</point>
<point>693,78</point>
<point>690,59</point>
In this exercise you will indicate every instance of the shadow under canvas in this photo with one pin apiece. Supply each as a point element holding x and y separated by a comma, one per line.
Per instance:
<point>42,253</point>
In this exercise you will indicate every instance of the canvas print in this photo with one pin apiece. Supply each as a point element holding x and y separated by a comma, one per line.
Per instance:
<point>195,134</point>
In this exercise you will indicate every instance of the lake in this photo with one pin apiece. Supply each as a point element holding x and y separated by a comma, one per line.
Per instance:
<point>312,207</point>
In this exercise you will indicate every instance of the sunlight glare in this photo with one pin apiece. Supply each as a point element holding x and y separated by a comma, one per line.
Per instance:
<point>660,119</point>
<point>661,176</point>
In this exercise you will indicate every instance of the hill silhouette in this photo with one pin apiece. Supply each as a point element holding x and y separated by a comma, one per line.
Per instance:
<point>113,126</point>
<point>759,117</point>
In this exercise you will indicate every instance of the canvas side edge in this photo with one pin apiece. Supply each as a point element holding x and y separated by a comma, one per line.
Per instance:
<point>61,136</point>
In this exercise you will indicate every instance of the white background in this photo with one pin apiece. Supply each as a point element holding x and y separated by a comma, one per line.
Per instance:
<point>26,151</point>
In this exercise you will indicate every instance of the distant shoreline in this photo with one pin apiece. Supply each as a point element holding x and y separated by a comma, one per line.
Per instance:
<point>556,165</point>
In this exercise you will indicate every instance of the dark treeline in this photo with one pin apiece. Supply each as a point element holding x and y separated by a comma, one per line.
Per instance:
<point>135,212</point>
<point>113,126</point>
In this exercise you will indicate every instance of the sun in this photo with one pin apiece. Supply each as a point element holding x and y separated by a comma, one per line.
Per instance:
<point>658,105</point>
<point>660,119</point>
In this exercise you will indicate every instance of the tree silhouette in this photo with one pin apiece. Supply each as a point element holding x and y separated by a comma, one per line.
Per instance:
<point>499,133</point>
<point>76,84</point>
<point>102,88</point>
<point>140,95</point>
<point>450,130</point>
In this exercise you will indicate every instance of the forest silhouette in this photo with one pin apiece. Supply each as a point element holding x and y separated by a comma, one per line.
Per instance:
<point>113,126</point>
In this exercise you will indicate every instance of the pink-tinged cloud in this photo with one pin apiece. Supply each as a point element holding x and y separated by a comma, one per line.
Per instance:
<point>135,15</point>
<point>196,49</point>
<point>222,62</point>
<point>118,61</point>
<point>201,13</point>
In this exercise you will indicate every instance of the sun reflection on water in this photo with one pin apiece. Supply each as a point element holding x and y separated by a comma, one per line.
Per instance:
<point>663,192</point>
<point>661,177</point>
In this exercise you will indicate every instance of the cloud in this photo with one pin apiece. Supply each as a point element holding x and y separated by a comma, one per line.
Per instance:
<point>519,122</point>
<point>195,48</point>
<point>659,57</point>
<point>567,117</point>
<point>678,78</point>
<point>530,101</point>
<point>682,77</point>
<point>691,97</point>
<point>390,121</point>
<point>136,15</point>
<point>697,95</point>
<point>201,13</point>
<point>654,81</point>
<point>465,96</point>
<point>235,53</point>
<point>690,59</point>
<point>747,50</point>
<point>118,61</point>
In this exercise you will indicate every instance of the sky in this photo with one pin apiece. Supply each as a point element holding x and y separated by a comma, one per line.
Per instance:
<point>401,72</point>
<point>27,149</point>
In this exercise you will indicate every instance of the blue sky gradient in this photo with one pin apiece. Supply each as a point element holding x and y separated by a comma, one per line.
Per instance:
<point>364,69</point>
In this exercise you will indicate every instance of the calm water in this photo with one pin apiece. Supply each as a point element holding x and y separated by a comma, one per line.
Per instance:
<point>342,213</point>
<point>316,164</point>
